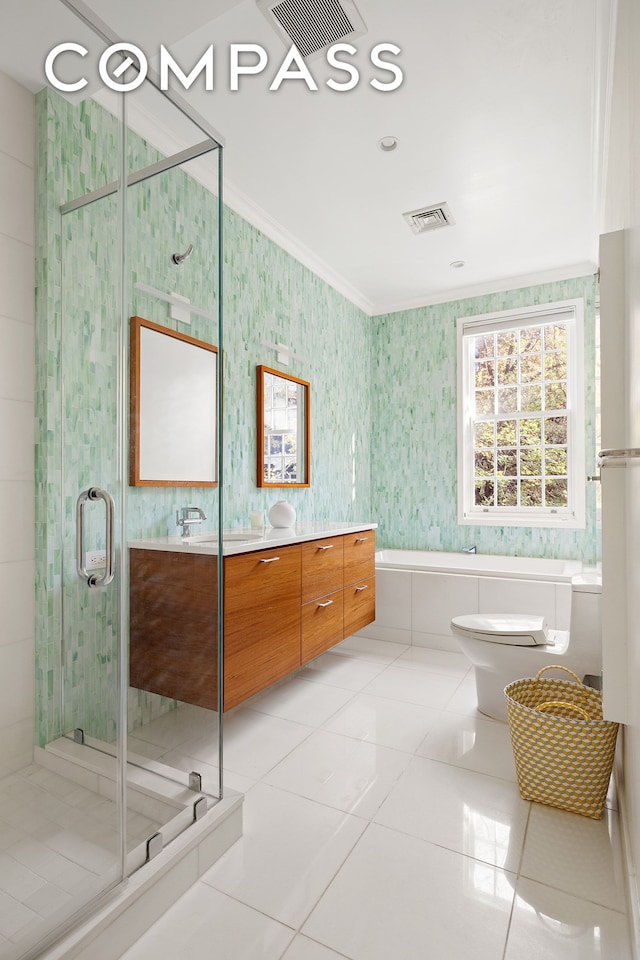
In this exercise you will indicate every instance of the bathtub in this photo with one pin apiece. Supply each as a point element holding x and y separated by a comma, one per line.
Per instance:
<point>479,565</point>
<point>419,592</point>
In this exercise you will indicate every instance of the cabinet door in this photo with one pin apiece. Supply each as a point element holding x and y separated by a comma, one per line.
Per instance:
<point>359,605</point>
<point>321,625</point>
<point>173,649</point>
<point>262,620</point>
<point>359,556</point>
<point>321,568</point>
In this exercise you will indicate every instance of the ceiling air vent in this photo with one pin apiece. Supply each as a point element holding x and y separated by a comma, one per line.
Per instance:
<point>429,218</point>
<point>312,25</point>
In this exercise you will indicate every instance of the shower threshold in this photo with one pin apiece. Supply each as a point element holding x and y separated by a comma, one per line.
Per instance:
<point>154,790</point>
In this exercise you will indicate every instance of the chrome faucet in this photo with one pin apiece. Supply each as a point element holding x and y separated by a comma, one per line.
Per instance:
<point>185,519</point>
<point>472,549</point>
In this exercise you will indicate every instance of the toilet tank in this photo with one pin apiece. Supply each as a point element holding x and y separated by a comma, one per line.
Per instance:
<point>586,612</point>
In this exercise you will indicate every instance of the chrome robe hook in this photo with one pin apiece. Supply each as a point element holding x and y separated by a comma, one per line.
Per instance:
<point>179,258</point>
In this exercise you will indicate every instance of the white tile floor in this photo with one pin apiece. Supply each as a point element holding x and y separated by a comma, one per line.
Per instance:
<point>383,819</point>
<point>57,842</point>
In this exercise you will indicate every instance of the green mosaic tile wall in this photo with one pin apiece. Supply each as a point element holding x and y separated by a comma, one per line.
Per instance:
<point>414,445</point>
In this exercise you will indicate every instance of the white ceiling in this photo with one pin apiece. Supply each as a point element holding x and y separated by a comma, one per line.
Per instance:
<point>501,115</point>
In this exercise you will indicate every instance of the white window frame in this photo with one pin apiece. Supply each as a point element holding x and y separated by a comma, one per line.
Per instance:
<point>570,312</point>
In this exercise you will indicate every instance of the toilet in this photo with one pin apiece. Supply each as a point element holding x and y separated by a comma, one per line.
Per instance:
<point>507,647</point>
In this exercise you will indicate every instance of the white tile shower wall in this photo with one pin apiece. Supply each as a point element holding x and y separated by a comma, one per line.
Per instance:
<point>417,608</point>
<point>17,376</point>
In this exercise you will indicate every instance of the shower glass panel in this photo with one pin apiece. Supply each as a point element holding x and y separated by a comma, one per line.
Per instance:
<point>173,267</point>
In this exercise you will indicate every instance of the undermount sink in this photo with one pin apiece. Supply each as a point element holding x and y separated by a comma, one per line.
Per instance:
<point>235,536</point>
<point>242,537</point>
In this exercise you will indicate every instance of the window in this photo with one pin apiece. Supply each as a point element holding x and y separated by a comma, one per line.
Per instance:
<point>521,417</point>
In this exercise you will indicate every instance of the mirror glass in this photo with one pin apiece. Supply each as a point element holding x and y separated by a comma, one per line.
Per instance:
<point>283,430</point>
<point>173,408</point>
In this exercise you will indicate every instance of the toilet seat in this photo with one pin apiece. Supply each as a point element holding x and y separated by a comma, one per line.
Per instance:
<point>515,630</point>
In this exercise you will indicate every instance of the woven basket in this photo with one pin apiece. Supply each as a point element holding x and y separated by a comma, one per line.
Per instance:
<point>562,747</point>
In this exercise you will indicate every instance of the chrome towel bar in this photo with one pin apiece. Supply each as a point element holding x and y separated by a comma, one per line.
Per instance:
<point>607,458</point>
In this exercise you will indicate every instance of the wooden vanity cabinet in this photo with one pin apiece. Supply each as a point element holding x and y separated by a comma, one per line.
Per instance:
<point>261,620</point>
<point>282,607</point>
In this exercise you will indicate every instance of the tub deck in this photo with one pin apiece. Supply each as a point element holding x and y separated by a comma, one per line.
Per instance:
<point>480,565</point>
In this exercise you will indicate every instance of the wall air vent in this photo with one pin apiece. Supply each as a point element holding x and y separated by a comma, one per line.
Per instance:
<point>429,218</point>
<point>313,25</point>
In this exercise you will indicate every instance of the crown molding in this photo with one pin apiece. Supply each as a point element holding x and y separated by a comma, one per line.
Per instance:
<point>259,218</point>
<point>557,274</point>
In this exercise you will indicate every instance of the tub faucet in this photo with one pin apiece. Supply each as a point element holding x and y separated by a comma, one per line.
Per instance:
<point>185,519</point>
<point>472,549</point>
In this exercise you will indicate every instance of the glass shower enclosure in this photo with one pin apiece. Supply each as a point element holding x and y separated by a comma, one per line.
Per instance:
<point>128,226</point>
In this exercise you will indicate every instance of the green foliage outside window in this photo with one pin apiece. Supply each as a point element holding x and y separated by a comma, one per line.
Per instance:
<point>520,423</point>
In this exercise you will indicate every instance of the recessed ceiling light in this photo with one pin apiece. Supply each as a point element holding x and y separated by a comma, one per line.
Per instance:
<point>457,264</point>
<point>387,144</point>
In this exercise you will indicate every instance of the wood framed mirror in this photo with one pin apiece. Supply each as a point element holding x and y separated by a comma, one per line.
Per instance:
<point>173,408</point>
<point>284,443</point>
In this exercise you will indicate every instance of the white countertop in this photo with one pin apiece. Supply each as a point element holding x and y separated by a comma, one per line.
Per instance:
<point>246,539</point>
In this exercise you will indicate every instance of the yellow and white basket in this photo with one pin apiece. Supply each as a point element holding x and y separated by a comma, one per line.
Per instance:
<point>562,747</point>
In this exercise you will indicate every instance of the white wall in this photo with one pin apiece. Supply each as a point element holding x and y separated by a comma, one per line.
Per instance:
<point>622,212</point>
<point>17,378</point>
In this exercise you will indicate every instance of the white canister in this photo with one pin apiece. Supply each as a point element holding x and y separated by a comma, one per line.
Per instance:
<point>282,514</point>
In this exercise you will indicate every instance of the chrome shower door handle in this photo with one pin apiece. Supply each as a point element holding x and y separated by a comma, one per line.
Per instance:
<point>95,493</point>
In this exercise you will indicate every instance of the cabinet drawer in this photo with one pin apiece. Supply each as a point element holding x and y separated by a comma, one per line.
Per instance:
<point>359,556</point>
<point>359,605</point>
<point>259,581</point>
<point>321,625</point>
<point>321,568</point>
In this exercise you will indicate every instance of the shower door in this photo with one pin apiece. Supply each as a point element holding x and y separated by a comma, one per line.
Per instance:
<point>91,681</point>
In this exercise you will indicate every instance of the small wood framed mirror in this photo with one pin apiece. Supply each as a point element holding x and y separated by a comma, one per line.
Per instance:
<point>173,408</point>
<point>284,443</point>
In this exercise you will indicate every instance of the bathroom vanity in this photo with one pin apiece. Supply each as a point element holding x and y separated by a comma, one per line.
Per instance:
<point>288,596</point>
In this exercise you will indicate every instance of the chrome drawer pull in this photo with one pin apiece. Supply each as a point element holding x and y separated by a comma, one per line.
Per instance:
<point>329,546</point>
<point>327,603</point>
<point>360,589</point>
<point>270,560</point>
<point>361,539</point>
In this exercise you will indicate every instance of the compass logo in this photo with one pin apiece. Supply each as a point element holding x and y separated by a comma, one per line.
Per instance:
<point>244,59</point>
